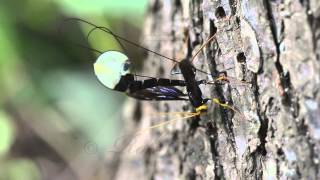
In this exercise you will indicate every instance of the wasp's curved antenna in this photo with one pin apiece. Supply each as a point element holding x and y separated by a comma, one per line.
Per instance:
<point>115,37</point>
<point>107,30</point>
<point>78,44</point>
<point>118,38</point>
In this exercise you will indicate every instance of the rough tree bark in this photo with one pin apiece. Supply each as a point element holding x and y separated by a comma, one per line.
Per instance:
<point>274,45</point>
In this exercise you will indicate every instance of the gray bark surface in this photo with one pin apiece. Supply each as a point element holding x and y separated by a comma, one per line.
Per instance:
<point>278,135</point>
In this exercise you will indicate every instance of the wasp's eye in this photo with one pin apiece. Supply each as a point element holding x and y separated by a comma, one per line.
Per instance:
<point>126,66</point>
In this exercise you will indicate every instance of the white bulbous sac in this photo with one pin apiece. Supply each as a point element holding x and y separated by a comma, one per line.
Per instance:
<point>110,66</point>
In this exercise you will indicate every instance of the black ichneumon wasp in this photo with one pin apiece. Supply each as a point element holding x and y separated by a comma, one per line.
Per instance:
<point>112,68</point>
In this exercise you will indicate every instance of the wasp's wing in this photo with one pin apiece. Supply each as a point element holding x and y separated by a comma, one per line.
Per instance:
<point>159,93</point>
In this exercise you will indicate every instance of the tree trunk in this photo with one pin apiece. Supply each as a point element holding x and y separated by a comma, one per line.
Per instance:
<point>274,45</point>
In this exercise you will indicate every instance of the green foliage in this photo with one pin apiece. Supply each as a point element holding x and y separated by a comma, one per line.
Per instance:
<point>47,82</point>
<point>19,169</point>
<point>107,7</point>
<point>6,133</point>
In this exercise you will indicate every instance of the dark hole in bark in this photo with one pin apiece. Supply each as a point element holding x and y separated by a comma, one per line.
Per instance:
<point>185,107</point>
<point>241,58</point>
<point>238,20</point>
<point>166,107</point>
<point>177,3</point>
<point>220,13</point>
<point>280,152</point>
<point>156,6</point>
<point>137,113</point>
<point>194,124</point>
<point>180,168</point>
<point>191,174</point>
<point>161,70</point>
<point>213,28</point>
<point>222,73</point>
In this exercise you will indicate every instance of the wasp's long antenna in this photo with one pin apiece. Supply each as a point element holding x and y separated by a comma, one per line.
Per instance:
<point>107,30</point>
<point>78,44</point>
<point>116,38</point>
<point>86,47</point>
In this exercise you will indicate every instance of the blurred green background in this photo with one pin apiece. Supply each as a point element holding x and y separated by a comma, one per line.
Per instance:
<point>56,119</point>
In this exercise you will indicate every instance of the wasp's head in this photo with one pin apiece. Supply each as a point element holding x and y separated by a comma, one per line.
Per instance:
<point>110,67</point>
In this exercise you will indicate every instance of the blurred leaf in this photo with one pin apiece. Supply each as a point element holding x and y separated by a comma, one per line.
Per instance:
<point>108,7</point>
<point>6,133</point>
<point>31,10</point>
<point>10,77</point>
<point>99,39</point>
<point>6,37</point>
<point>89,106</point>
<point>19,169</point>
<point>47,81</point>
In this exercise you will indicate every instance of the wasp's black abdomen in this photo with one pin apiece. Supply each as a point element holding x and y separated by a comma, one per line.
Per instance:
<point>128,83</point>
